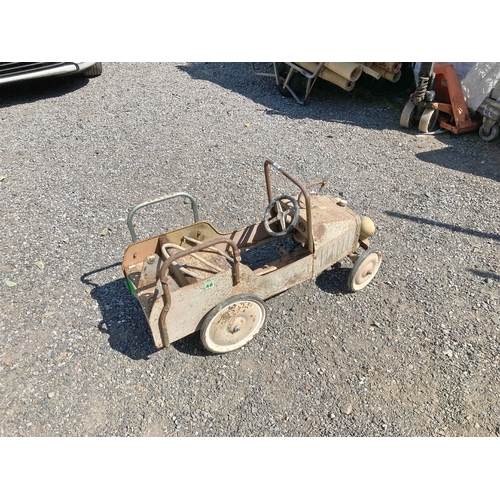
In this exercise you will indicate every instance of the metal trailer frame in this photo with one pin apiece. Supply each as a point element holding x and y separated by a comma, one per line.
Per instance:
<point>284,83</point>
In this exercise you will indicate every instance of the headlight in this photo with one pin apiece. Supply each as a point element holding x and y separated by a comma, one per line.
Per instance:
<point>367,228</point>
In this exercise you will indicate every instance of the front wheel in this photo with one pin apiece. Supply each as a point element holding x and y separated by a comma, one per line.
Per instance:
<point>428,120</point>
<point>408,115</point>
<point>233,323</point>
<point>364,270</point>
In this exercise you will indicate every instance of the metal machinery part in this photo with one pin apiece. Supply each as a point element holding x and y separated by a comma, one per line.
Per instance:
<point>409,115</point>
<point>284,211</point>
<point>492,133</point>
<point>288,75</point>
<point>364,270</point>
<point>490,110</point>
<point>233,323</point>
<point>428,120</point>
<point>297,79</point>
<point>438,98</point>
<point>412,112</point>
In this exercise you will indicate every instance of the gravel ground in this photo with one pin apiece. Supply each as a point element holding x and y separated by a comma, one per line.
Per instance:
<point>416,353</point>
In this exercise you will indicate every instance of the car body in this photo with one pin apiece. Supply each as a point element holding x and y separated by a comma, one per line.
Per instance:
<point>196,278</point>
<point>19,71</point>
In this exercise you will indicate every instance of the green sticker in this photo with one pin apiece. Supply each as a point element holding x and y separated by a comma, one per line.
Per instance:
<point>130,286</point>
<point>209,284</point>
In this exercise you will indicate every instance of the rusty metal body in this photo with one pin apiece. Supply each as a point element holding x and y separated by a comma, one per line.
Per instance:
<point>180,276</point>
<point>454,114</point>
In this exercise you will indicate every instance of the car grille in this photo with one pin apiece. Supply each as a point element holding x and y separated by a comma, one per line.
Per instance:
<point>24,68</point>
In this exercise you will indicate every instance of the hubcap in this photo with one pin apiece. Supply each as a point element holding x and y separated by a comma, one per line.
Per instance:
<point>367,270</point>
<point>235,324</point>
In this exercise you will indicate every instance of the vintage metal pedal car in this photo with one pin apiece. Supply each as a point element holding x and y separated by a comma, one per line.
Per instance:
<point>196,278</point>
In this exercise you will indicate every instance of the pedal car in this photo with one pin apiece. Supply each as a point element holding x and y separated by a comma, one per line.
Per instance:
<point>196,278</point>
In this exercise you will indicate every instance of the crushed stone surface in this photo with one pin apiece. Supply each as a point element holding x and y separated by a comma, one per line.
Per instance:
<point>416,353</point>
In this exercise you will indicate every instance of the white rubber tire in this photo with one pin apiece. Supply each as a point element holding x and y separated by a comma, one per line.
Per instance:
<point>364,270</point>
<point>233,323</point>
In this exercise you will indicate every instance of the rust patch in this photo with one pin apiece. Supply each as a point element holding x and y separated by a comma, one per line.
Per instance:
<point>319,231</point>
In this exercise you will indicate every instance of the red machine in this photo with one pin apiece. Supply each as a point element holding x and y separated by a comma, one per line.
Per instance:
<point>438,96</point>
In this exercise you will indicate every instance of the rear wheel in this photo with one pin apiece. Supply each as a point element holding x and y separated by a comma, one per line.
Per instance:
<point>408,115</point>
<point>233,323</point>
<point>428,120</point>
<point>492,133</point>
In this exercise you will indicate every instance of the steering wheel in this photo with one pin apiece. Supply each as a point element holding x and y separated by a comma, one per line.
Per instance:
<point>287,211</point>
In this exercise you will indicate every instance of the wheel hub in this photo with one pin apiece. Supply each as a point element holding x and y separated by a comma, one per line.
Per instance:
<point>366,270</point>
<point>237,325</point>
